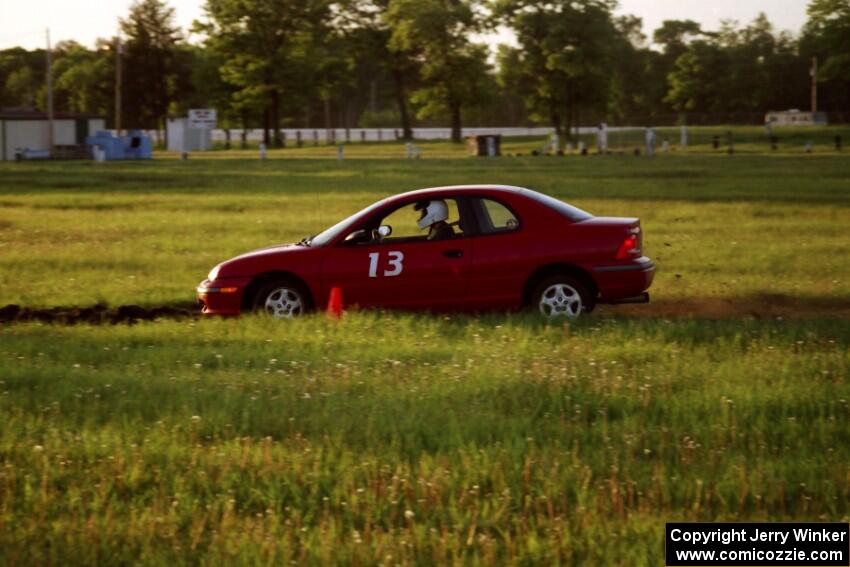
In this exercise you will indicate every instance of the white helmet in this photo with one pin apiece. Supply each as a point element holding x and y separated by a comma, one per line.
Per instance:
<point>432,211</point>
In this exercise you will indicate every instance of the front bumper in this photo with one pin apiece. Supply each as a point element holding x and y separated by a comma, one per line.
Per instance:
<point>222,296</point>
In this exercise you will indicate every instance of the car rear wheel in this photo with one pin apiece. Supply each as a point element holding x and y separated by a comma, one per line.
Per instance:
<point>562,296</point>
<point>281,299</point>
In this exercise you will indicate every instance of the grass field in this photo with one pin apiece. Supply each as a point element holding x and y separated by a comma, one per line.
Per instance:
<point>761,230</point>
<point>416,439</point>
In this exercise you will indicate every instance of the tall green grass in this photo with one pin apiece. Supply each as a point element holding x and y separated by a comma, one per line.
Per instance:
<point>414,440</point>
<point>718,226</point>
<point>402,439</point>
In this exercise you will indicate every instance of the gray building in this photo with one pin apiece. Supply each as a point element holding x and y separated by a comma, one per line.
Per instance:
<point>29,129</point>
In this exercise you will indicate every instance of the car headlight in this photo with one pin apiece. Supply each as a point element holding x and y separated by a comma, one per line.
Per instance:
<point>213,273</point>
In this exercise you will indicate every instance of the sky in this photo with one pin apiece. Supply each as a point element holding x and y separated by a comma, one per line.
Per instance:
<point>23,22</point>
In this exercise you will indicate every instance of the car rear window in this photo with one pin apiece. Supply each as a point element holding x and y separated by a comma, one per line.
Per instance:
<point>573,213</point>
<point>493,216</point>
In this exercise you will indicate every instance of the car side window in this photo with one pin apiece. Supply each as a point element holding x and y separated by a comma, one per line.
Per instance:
<point>494,217</point>
<point>404,223</point>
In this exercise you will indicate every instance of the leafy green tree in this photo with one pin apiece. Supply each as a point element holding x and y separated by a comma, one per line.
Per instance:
<point>674,36</point>
<point>632,91</point>
<point>22,78</point>
<point>274,53</point>
<point>22,87</point>
<point>202,86</point>
<point>565,56</point>
<point>787,72</point>
<point>84,79</point>
<point>371,42</point>
<point>826,35</point>
<point>737,70</point>
<point>511,84</point>
<point>148,60</point>
<point>697,81</point>
<point>452,68</point>
<point>762,73</point>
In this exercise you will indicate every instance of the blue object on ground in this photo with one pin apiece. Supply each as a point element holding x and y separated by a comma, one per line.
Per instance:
<point>135,145</point>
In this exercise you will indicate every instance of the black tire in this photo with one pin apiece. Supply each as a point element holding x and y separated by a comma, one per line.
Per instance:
<point>282,298</point>
<point>564,304</point>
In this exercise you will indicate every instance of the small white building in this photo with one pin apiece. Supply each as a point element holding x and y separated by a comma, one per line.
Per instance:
<point>29,129</point>
<point>795,117</point>
<point>182,137</point>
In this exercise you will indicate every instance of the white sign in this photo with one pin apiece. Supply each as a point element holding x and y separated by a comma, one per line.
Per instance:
<point>202,118</point>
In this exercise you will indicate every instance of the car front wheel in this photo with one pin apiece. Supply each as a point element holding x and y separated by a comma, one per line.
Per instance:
<point>281,299</point>
<point>562,296</point>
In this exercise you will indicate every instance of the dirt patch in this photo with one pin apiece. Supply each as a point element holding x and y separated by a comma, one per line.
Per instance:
<point>759,306</point>
<point>98,314</point>
<point>755,306</point>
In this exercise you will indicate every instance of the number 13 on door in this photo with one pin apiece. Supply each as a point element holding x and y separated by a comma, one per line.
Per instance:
<point>394,263</point>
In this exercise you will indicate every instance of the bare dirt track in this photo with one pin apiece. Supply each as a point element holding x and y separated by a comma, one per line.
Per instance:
<point>98,314</point>
<point>754,306</point>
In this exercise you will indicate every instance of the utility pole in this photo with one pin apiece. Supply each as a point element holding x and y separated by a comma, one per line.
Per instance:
<point>118,53</point>
<point>814,74</point>
<point>50,140</point>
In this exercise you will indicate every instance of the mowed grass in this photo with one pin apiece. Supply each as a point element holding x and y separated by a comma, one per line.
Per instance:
<point>416,439</point>
<point>387,439</point>
<point>751,227</point>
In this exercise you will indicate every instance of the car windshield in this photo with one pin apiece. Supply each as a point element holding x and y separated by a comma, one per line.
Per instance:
<point>573,213</point>
<point>342,226</point>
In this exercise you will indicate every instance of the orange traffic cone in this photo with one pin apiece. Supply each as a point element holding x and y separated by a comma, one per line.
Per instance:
<point>335,303</point>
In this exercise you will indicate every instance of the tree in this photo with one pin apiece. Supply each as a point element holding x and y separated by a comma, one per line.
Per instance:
<point>149,63</point>
<point>698,81</point>
<point>22,77</point>
<point>737,70</point>
<point>565,54</point>
<point>22,87</point>
<point>674,36</point>
<point>452,68</point>
<point>511,82</point>
<point>826,35</point>
<point>632,90</point>
<point>202,86</point>
<point>371,40</point>
<point>761,68</point>
<point>271,48</point>
<point>84,79</point>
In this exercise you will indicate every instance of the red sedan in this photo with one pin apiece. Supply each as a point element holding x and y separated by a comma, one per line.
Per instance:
<point>462,248</point>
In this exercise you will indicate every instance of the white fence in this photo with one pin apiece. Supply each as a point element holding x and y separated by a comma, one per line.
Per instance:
<point>309,136</point>
<point>353,135</point>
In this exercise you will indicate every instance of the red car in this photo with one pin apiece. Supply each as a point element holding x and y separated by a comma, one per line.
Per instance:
<point>462,248</point>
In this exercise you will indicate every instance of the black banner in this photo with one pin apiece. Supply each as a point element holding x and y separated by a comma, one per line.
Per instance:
<point>766,544</point>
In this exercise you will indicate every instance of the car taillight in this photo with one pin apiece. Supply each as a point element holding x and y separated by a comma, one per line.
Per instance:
<point>630,248</point>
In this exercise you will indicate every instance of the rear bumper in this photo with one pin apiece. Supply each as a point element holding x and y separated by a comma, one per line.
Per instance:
<point>222,296</point>
<point>624,282</point>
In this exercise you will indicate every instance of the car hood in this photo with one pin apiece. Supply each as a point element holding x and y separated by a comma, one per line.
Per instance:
<point>250,263</point>
<point>274,249</point>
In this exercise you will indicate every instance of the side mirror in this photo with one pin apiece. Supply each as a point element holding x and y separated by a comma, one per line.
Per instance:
<point>385,230</point>
<point>358,237</point>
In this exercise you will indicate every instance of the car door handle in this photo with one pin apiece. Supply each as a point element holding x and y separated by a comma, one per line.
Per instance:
<point>453,253</point>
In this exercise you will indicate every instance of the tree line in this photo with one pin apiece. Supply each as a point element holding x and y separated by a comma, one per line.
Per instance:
<point>400,63</point>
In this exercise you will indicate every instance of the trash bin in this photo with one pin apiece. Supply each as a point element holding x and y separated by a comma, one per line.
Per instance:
<point>485,145</point>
